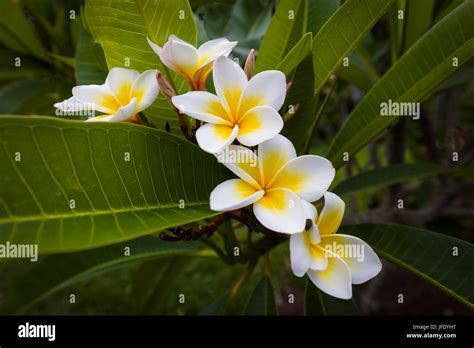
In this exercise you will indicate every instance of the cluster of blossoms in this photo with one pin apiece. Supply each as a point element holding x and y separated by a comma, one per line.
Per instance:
<point>278,184</point>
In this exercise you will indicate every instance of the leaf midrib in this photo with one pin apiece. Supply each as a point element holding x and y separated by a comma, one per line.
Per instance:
<point>96,213</point>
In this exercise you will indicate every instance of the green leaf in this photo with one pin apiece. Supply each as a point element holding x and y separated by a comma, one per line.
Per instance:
<point>443,261</point>
<point>55,272</point>
<point>319,11</point>
<point>389,175</point>
<point>395,27</point>
<point>418,17</point>
<point>302,99</point>
<point>34,95</point>
<point>121,28</point>
<point>16,32</point>
<point>68,61</point>
<point>360,71</point>
<point>215,308</point>
<point>464,75</point>
<point>70,185</point>
<point>296,55</point>
<point>415,75</point>
<point>244,21</point>
<point>90,62</point>
<point>341,34</point>
<point>319,303</point>
<point>30,66</point>
<point>15,94</point>
<point>262,300</point>
<point>166,282</point>
<point>284,31</point>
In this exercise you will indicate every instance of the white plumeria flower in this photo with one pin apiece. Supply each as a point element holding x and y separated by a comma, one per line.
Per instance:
<point>125,93</point>
<point>332,261</point>
<point>242,109</point>
<point>276,182</point>
<point>194,64</point>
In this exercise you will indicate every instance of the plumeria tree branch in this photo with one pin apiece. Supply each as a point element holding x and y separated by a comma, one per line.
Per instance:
<point>193,233</point>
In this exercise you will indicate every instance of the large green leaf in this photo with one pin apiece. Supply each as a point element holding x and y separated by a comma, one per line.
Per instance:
<point>121,28</point>
<point>244,21</point>
<point>90,65</point>
<point>55,272</point>
<point>418,17</point>
<point>302,103</point>
<point>360,71</point>
<point>319,11</point>
<point>443,261</point>
<point>262,300</point>
<point>284,31</point>
<point>415,75</point>
<point>341,34</point>
<point>319,303</point>
<point>296,55</point>
<point>386,176</point>
<point>125,181</point>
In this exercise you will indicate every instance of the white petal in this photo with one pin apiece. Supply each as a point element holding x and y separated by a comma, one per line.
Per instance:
<point>99,97</point>
<point>299,254</point>
<point>229,81</point>
<point>310,210</point>
<point>233,194</point>
<point>267,88</point>
<point>182,55</point>
<point>259,124</point>
<point>361,259</point>
<point>311,214</point>
<point>335,280</point>
<point>319,261</point>
<point>120,82</point>
<point>159,51</point>
<point>331,216</point>
<point>211,50</point>
<point>242,161</point>
<point>214,137</point>
<point>314,234</point>
<point>309,176</point>
<point>145,89</point>
<point>124,113</point>
<point>203,106</point>
<point>281,211</point>
<point>70,105</point>
<point>173,37</point>
<point>102,118</point>
<point>274,154</point>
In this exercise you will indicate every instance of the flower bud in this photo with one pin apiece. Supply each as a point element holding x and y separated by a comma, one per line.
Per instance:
<point>165,86</point>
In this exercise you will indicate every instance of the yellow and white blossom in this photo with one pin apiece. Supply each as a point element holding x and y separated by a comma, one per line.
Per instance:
<point>332,261</point>
<point>194,64</point>
<point>276,185</point>
<point>242,109</point>
<point>125,93</point>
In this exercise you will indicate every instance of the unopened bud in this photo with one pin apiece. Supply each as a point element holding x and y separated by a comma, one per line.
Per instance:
<point>288,87</point>
<point>165,86</point>
<point>250,64</point>
<point>291,112</point>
